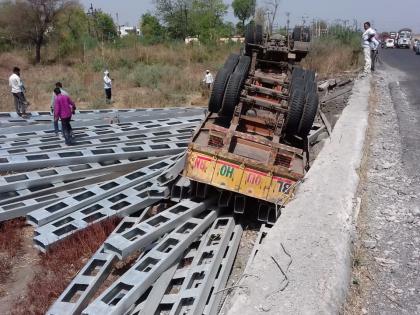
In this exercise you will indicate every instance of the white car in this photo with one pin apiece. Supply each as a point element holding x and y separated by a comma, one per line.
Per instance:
<point>390,43</point>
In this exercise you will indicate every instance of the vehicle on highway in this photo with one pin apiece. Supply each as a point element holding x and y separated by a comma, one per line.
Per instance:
<point>417,47</point>
<point>390,43</point>
<point>415,40</point>
<point>404,38</point>
<point>261,110</point>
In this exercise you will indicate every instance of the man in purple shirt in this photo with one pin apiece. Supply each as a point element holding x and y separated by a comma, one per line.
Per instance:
<point>64,107</point>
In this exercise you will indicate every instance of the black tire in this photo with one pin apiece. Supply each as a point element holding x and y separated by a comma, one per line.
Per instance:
<point>297,83</point>
<point>311,87</point>
<point>218,92</point>
<point>250,34</point>
<point>243,65</point>
<point>259,34</point>
<point>308,115</point>
<point>296,104</point>
<point>309,75</point>
<point>297,34</point>
<point>297,72</point>
<point>231,62</point>
<point>232,93</point>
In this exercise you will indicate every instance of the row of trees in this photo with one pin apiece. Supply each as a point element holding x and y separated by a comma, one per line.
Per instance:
<point>36,22</point>
<point>177,19</point>
<point>65,23</point>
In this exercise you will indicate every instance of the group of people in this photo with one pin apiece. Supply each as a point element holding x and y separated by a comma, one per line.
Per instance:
<point>62,106</point>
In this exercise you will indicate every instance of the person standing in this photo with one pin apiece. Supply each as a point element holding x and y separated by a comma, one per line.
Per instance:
<point>374,45</point>
<point>107,87</point>
<point>64,107</point>
<point>18,90</point>
<point>208,79</point>
<point>60,86</point>
<point>366,44</point>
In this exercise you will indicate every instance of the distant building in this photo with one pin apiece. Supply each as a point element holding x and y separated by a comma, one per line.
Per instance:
<point>234,39</point>
<point>191,40</point>
<point>126,30</point>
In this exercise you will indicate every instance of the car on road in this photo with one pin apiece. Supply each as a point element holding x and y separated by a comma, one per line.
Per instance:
<point>414,44</point>
<point>417,48</point>
<point>390,43</point>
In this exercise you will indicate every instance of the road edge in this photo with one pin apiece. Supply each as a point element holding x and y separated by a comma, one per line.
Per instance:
<point>304,265</point>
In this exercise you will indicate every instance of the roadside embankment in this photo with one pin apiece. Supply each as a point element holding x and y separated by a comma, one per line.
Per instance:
<point>304,265</point>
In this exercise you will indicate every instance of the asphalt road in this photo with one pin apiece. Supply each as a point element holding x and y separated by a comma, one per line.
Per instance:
<point>408,110</point>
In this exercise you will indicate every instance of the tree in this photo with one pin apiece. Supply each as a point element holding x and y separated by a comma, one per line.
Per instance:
<point>71,30</point>
<point>150,27</point>
<point>32,20</point>
<point>207,18</point>
<point>243,10</point>
<point>105,28</point>
<point>175,14</point>
<point>272,10</point>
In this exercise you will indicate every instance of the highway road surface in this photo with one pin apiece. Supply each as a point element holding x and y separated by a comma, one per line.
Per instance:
<point>407,62</point>
<point>386,277</point>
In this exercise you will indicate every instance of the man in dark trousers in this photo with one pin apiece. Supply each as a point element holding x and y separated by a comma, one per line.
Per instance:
<point>64,107</point>
<point>18,90</point>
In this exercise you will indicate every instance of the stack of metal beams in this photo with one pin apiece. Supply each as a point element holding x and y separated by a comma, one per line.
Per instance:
<point>127,164</point>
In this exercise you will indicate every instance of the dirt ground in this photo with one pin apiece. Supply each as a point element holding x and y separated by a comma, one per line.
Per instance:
<point>23,269</point>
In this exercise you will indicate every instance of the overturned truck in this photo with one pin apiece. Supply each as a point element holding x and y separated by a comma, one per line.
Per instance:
<point>253,141</point>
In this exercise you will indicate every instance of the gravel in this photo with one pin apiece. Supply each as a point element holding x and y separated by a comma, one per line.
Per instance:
<point>386,277</point>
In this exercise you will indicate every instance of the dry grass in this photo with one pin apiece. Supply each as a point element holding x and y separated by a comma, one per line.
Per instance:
<point>144,76</point>
<point>331,57</point>
<point>59,266</point>
<point>10,245</point>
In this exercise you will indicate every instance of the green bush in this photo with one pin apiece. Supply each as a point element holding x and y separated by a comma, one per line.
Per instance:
<point>98,64</point>
<point>152,76</point>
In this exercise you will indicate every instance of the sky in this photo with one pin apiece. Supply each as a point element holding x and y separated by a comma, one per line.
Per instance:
<point>385,15</point>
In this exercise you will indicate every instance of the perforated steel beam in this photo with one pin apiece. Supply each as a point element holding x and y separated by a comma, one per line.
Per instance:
<point>112,187</point>
<point>100,120</point>
<point>99,138</point>
<point>18,209</point>
<point>166,280</point>
<point>16,140</point>
<point>197,282</point>
<point>123,203</point>
<point>215,296</point>
<point>123,293</point>
<point>86,283</point>
<point>34,161</point>
<point>27,180</point>
<point>124,244</point>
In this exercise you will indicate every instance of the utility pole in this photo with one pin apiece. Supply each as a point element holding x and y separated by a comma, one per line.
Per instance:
<point>287,23</point>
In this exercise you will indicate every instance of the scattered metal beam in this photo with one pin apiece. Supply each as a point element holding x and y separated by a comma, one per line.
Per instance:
<point>123,293</point>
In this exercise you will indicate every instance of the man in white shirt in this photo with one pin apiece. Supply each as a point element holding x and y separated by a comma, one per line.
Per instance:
<point>208,79</point>
<point>367,39</point>
<point>107,87</point>
<point>18,90</point>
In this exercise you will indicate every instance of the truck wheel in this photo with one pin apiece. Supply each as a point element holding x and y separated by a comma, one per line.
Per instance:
<point>259,34</point>
<point>250,33</point>
<point>243,64</point>
<point>309,75</point>
<point>218,92</point>
<point>311,87</point>
<point>297,34</point>
<point>231,62</point>
<point>296,104</point>
<point>308,116</point>
<point>232,93</point>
